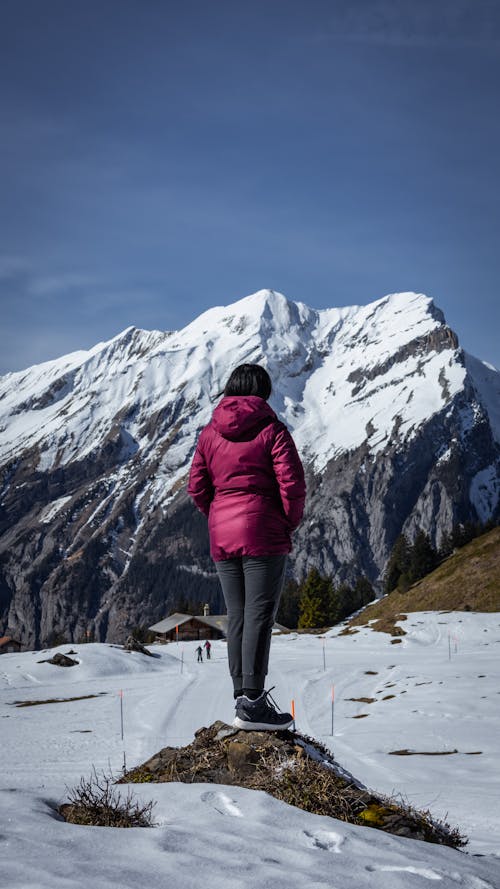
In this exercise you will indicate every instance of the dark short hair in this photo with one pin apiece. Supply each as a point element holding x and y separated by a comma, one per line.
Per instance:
<point>249,379</point>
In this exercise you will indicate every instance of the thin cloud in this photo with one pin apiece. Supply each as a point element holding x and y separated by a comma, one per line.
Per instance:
<point>423,23</point>
<point>55,284</point>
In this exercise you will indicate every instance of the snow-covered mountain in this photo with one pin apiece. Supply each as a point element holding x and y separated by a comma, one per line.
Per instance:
<point>397,426</point>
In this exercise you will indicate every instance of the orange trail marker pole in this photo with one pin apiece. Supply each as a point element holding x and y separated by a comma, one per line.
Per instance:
<point>333,704</point>
<point>293,709</point>
<point>177,634</point>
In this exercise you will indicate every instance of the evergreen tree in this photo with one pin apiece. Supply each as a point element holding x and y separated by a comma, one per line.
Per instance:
<point>334,605</point>
<point>363,592</point>
<point>462,534</point>
<point>423,557</point>
<point>314,605</point>
<point>398,564</point>
<point>446,545</point>
<point>312,613</point>
<point>404,582</point>
<point>343,602</point>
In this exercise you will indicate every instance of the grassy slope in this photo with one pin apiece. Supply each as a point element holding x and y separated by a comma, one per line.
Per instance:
<point>469,580</point>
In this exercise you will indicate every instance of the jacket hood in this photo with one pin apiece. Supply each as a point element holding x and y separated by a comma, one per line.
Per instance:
<point>237,416</point>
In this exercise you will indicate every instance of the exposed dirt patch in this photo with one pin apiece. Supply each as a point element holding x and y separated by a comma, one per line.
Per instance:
<point>422,752</point>
<point>385,624</point>
<point>56,700</point>
<point>362,700</point>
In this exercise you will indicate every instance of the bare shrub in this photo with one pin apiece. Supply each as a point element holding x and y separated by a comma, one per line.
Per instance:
<point>97,801</point>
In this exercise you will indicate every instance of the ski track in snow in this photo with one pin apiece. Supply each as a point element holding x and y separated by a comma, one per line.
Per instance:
<point>231,836</point>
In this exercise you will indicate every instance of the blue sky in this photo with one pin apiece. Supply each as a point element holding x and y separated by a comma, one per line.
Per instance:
<point>158,158</point>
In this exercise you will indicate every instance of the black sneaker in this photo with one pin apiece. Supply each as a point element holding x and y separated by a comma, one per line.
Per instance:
<point>260,715</point>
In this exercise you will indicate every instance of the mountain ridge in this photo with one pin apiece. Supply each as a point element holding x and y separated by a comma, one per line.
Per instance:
<point>57,378</point>
<point>397,427</point>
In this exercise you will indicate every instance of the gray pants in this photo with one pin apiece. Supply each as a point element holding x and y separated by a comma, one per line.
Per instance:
<point>252,587</point>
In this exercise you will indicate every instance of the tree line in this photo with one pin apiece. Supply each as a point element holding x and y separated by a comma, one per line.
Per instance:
<point>411,561</point>
<point>318,602</point>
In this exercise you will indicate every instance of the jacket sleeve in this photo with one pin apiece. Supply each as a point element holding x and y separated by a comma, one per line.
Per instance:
<point>200,487</point>
<point>290,476</point>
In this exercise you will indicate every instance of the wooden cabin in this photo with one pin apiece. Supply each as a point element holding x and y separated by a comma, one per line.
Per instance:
<point>189,627</point>
<point>8,644</point>
<point>185,627</point>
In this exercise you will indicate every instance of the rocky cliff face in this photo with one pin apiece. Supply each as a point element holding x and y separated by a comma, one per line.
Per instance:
<point>398,428</point>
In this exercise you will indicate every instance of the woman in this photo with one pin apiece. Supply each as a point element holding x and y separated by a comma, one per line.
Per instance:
<point>246,476</point>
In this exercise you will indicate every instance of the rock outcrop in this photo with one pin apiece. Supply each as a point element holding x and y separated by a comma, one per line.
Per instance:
<point>293,768</point>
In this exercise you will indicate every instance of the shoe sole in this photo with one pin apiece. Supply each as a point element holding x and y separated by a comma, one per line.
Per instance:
<point>248,726</point>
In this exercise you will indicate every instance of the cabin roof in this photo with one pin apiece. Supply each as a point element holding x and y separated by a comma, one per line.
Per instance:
<point>217,621</point>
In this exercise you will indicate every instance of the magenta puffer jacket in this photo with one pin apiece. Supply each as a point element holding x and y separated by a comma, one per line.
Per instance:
<point>246,476</point>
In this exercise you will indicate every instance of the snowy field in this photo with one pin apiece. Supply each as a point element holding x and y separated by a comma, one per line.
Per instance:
<point>214,836</point>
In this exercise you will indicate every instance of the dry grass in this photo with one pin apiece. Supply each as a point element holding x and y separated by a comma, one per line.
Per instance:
<point>309,786</point>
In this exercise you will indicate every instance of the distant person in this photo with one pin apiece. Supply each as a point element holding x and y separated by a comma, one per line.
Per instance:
<point>246,476</point>
<point>207,648</point>
<point>199,652</point>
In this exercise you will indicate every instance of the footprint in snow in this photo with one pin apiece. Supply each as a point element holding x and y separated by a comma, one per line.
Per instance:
<point>479,883</point>
<point>328,840</point>
<point>30,678</point>
<point>426,872</point>
<point>470,881</point>
<point>222,803</point>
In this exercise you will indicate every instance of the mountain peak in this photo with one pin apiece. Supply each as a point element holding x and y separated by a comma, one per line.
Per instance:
<point>269,305</point>
<point>410,303</point>
<point>395,426</point>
